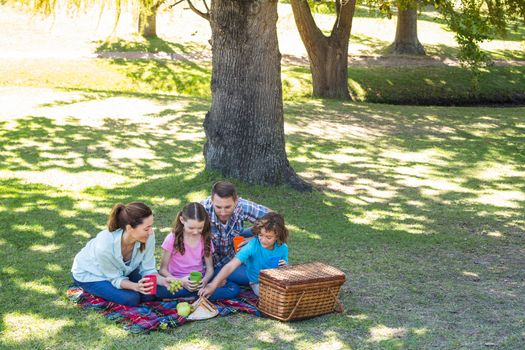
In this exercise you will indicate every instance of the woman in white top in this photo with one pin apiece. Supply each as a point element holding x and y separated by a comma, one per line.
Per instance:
<point>112,265</point>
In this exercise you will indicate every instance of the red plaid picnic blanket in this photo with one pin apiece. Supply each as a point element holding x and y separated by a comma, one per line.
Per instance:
<point>156,315</point>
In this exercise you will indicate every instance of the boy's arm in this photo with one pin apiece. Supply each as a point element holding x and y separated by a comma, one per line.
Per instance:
<point>223,274</point>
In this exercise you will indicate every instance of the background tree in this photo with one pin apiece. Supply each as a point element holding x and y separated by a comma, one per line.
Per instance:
<point>147,18</point>
<point>328,55</point>
<point>472,21</point>
<point>475,21</point>
<point>406,41</point>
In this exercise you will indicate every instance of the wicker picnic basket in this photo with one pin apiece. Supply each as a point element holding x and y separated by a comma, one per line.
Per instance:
<point>300,291</point>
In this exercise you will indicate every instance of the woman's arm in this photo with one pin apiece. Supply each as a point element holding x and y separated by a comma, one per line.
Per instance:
<point>223,274</point>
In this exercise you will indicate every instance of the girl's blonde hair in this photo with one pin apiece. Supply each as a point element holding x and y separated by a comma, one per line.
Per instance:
<point>272,222</point>
<point>192,211</point>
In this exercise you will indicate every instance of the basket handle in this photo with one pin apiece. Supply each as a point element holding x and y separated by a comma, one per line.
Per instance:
<point>291,313</point>
<point>339,307</point>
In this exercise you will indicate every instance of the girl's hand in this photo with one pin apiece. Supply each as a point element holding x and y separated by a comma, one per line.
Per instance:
<point>144,286</point>
<point>189,285</point>
<point>282,263</point>
<point>172,285</point>
<point>207,291</point>
<point>167,281</point>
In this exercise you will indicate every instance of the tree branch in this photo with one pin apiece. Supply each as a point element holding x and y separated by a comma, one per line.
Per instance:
<point>305,22</point>
<point>205,15</point>
<point>343,23</point>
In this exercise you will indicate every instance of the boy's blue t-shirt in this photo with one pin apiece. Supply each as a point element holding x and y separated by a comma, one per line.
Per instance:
<point>257,258</point>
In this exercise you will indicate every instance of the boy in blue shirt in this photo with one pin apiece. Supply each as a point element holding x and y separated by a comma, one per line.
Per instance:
<point>269,250</point>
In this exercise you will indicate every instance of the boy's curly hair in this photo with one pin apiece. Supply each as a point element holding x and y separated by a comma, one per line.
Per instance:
<point>272,222</point>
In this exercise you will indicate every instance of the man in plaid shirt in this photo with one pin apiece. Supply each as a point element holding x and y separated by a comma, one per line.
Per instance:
<point>227,214</point>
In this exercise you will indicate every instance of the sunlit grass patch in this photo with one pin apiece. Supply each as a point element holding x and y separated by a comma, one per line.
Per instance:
<point>20,327</point>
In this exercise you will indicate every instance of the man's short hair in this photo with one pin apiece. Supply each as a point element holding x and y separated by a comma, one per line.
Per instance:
<point>224,189</point>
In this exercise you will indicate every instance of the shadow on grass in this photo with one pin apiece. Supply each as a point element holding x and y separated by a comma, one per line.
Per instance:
<point>151,45</point>
<point>401,207</point>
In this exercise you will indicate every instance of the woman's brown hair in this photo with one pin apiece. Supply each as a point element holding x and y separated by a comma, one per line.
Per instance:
<point>192,211</point>
<point>272,222</point>
<point>132,214</point>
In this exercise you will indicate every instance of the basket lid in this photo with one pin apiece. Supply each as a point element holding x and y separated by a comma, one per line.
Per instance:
<point>303,273</point>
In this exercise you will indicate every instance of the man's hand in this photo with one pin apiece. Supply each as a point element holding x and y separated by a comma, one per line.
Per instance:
<point>246,240</point>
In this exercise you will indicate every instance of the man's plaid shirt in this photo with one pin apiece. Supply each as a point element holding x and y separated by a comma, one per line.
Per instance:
<point>223,236</point>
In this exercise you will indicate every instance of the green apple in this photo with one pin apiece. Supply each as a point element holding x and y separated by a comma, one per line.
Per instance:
<point>183,309</point>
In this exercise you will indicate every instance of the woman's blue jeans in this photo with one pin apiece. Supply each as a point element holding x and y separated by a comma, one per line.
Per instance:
<point>106,290</point>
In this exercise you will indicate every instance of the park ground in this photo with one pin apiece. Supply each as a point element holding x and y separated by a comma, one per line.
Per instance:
<point>423,207</point>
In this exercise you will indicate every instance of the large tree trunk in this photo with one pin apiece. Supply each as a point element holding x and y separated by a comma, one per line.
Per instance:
<point>147,26</point>
<point>245,127</point>
<point>328,55</point>
<point>406,41</point>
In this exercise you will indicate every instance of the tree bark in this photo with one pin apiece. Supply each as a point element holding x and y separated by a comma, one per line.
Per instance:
<point>406,41</point>
<point>328,56</point>
<point>245,126</point>
<point>147,26</point>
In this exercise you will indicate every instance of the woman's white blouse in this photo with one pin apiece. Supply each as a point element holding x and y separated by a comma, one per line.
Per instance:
<point>101,259</point>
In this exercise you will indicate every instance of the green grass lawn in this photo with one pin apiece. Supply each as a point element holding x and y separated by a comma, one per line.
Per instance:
<point>436,85</point>
<point>421,207</point>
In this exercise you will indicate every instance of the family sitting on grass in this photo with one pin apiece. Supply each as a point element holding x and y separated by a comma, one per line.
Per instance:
<point>113,265</point>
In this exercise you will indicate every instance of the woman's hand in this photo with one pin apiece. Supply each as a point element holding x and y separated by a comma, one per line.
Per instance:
<point>144,286</point>
<point>282,263</point>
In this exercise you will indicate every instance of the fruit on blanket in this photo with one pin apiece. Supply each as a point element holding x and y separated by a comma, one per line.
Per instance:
<point>175,286</point>
<point>183,309</point>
